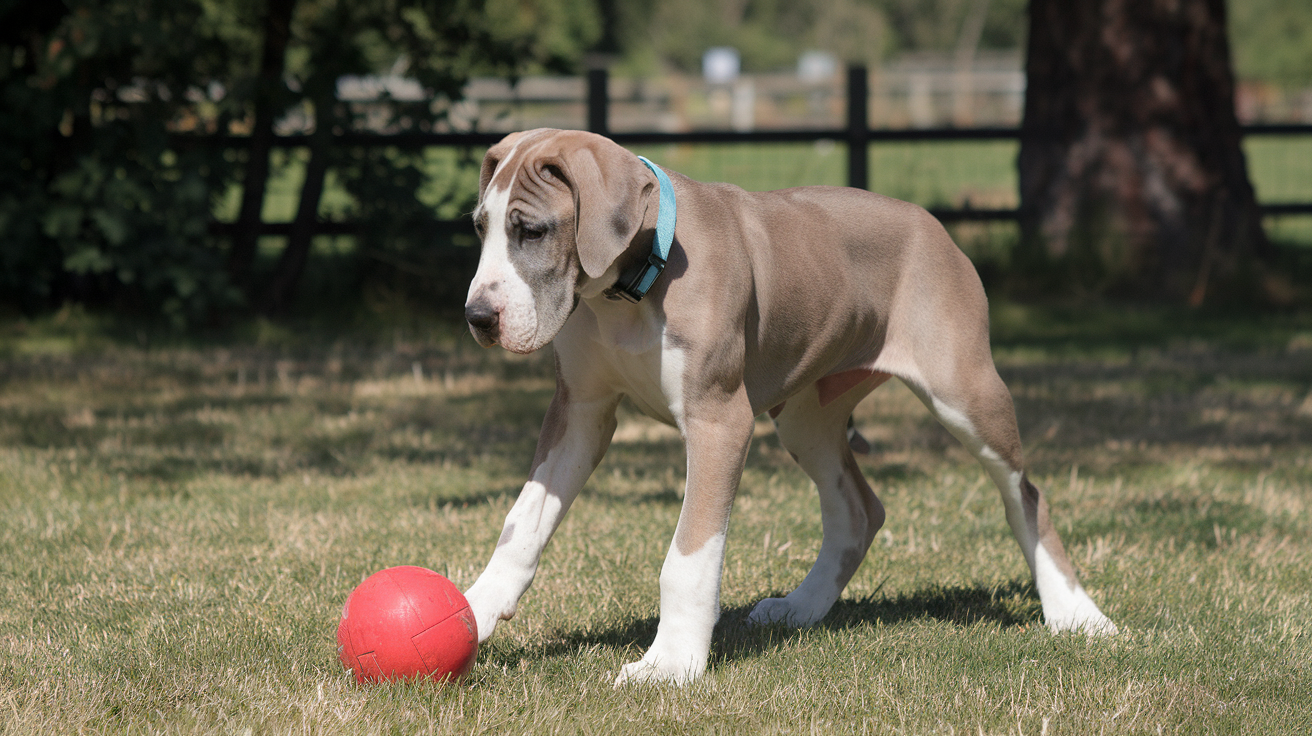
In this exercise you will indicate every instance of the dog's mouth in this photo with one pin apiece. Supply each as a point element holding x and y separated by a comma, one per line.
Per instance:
<point>482,338</point>
<point>488,336</point>
<point>485,335</point>
<point>518,331</point>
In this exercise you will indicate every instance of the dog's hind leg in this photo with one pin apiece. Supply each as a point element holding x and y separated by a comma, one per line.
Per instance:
<point>817,436</point>
<point>977,409</point>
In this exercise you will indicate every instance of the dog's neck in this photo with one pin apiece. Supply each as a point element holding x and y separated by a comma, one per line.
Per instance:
<point>634,286</point>
<point>630,262</point>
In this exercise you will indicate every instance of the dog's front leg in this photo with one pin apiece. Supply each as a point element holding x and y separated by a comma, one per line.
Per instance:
<point>574,437</point>
<point>717,438</point>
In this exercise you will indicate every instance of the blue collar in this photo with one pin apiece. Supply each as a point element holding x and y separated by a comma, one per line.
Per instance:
<point>637,288</point>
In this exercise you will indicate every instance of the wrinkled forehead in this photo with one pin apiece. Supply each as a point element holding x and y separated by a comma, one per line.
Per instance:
<point>514,177</point>
<point>523,151</point>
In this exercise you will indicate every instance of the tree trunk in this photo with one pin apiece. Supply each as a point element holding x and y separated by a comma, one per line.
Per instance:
<point>277,34</point>
<point>1132,177</point>
<point>291,264</point>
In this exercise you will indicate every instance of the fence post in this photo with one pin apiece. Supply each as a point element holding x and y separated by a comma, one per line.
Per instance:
<point>598,101</point>
<point>858,130</point>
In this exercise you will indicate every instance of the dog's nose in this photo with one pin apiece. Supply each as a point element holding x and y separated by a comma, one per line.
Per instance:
<point>481,316</point>
<point>483,319</point>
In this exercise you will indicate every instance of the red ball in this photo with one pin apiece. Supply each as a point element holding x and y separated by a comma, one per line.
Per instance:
<point>407,623</point>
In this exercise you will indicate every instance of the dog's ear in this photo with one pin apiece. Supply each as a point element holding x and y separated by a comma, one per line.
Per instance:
<point>611,189</point>
<point>493,157</point>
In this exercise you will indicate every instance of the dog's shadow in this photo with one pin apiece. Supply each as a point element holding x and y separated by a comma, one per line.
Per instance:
<point>1010,605</point>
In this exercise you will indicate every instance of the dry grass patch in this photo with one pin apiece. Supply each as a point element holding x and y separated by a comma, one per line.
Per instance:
<point>179,527</point>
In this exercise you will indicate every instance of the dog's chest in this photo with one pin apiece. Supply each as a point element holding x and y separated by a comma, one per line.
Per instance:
<point>631,347</point>
<point>653,381</point>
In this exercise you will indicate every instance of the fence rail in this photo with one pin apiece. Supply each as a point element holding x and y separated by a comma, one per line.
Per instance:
<point>856,135</point>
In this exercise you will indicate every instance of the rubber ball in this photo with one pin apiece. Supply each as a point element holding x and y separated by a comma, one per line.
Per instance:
<point>407,623</point>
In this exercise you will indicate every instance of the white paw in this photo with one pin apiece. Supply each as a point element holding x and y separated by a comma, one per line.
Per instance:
<point>655,669</point>
<point>783,611</point>
<point>1098,625</point>
<point>1081,615</point>
<point>490,607</point>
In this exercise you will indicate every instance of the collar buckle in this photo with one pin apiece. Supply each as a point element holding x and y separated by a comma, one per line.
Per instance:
<point>640,284</point>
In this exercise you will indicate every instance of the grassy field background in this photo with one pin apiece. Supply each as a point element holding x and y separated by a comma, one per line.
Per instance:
<point>180,524</point>
<point>932,174</point>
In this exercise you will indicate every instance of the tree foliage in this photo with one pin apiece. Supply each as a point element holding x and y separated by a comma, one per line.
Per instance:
<point>101,198</point>
<point>1272,41</point>
<point>103,201</point>
<point>94,201</point>
<point>771,34</point>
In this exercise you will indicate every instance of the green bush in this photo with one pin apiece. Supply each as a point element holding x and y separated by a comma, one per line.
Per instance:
<point>103,199</point>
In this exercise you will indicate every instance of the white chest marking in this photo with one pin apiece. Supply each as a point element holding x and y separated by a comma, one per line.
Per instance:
<point>643,364</point>
<point>672,365</point>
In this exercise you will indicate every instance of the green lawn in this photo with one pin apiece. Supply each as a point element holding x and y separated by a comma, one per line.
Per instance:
<point>1281,171</point>
<point>933,174</point>
<point>179,526</point>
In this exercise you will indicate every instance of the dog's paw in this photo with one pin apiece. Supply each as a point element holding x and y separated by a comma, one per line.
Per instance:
<point>1097,625</point>
<point>654,669</point>
<point>489,607</point>
<point>1080,615</point>
<point>782,611</point>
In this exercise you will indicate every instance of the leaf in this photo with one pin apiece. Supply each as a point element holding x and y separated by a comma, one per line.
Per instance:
<point>113,225</point>
<point>88,259</point>
<point>62,220</point>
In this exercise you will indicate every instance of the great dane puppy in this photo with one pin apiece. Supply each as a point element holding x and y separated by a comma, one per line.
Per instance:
<point>796,302</point>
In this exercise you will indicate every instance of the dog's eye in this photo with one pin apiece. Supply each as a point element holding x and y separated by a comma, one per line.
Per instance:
<point>533,232</point>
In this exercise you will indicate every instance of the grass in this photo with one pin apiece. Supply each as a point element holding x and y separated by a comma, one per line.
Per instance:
<point>179,526</point>
<point>1281,171</point>
<point>979,174</point>
<point>933,174</point>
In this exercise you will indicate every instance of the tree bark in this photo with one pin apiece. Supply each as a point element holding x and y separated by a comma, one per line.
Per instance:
<point>291,264</point>
<point>1132,178</point>
<point>277,34</point>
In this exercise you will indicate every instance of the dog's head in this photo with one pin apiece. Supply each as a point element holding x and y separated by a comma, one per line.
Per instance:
<point>557,212</point>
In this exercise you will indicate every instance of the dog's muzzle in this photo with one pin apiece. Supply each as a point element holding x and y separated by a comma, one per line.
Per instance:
<point>484,322</point>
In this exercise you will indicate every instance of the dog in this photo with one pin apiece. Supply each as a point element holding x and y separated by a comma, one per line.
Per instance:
<point>797,302</point>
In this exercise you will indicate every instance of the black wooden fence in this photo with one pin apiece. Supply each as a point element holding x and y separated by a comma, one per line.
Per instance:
<point>856,135</point>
